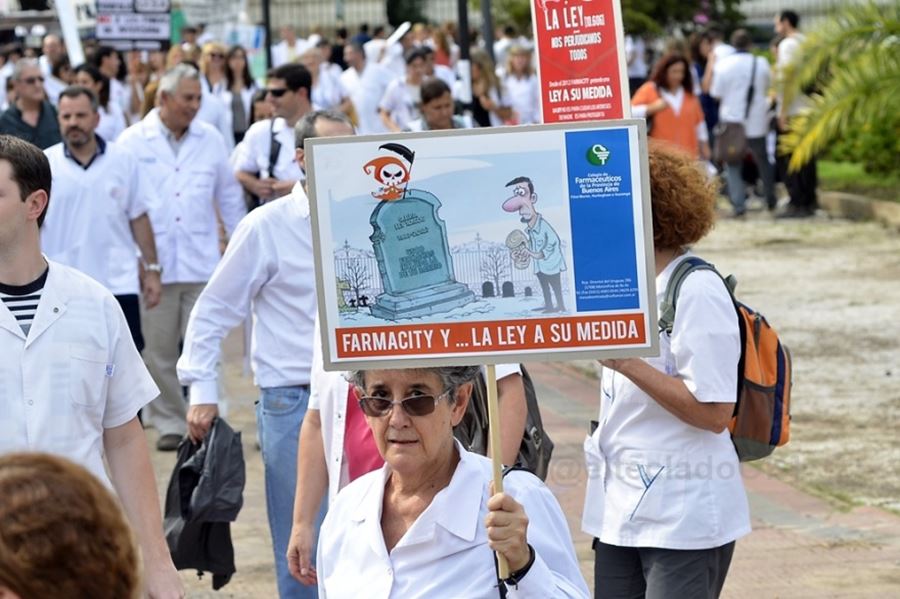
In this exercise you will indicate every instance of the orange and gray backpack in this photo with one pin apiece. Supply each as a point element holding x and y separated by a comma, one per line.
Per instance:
<point>762,410</point>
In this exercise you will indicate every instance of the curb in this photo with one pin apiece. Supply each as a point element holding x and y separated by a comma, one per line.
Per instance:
<point>860,208</point>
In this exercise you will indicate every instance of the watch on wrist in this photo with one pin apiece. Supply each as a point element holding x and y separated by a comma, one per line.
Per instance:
<point>154,267</point>
<point>516,577</point>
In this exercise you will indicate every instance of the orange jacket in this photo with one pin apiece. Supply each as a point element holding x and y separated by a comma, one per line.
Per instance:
<point>679,129</point>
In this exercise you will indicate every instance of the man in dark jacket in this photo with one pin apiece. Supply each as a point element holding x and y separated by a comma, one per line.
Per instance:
<point>31,117</point>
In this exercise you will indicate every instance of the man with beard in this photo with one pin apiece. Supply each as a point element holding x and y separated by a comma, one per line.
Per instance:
<point>99,212</point>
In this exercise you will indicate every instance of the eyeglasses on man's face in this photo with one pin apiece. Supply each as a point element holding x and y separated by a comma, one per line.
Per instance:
<point>277,91</point>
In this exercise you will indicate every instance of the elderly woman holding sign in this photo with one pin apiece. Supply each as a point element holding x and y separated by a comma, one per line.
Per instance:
<point>425,524</point>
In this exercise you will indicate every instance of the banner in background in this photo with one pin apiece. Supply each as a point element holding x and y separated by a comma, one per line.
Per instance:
<point>580,55</point>
<point>483,246</point>
<point>134,24</point>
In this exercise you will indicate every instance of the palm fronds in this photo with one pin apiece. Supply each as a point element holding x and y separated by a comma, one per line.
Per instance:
<point>854,60</point>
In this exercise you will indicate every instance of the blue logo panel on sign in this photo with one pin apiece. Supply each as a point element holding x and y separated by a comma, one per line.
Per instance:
<point>602,210</point>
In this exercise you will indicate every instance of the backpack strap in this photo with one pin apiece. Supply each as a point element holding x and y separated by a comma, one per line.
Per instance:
<point>670,299</point>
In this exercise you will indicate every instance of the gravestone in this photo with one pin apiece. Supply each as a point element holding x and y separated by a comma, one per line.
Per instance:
<point>410,243</point>
<point>508,290</point>
<point>528,292</point>
<point>487,289</point>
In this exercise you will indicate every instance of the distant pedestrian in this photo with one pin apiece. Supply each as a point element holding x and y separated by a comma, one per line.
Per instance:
<point>672,110</point>
<point>802,183</point>
<point>738,103</point>
<point>99,210</point>
<point>30,116</point>
<point>185,160</point>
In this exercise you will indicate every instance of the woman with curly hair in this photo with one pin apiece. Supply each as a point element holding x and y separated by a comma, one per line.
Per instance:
<point>673,112</point>
<point>62,534</point>
<point>665,501</point>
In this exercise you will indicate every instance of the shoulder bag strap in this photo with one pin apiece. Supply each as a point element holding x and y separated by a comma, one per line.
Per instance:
<point>752,86</point>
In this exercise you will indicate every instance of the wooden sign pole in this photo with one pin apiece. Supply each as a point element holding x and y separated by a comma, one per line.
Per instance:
<point>493,406</point>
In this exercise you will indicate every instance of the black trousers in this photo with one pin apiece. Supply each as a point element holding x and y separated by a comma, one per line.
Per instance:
<point>646,572</point>
<point>131,306</point>
<point>801,185</point>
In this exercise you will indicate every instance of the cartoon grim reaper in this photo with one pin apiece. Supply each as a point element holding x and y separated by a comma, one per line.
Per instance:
<point>391,171</point>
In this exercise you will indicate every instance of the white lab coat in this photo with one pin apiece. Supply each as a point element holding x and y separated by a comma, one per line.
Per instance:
<point>190,188</point>
<point>445,552</point>
<point>654,480</point>
<point>88,223</point>
<point>77,373</point>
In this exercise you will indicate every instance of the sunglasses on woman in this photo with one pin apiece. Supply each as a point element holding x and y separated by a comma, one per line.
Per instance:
<point>417,405</point>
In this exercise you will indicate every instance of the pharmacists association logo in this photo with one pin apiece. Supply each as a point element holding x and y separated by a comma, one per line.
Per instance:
<point>598,155</point>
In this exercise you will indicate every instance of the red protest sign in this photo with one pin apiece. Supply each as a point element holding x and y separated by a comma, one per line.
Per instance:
<point>581,60</point>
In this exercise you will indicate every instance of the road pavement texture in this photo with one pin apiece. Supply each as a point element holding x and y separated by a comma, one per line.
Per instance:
<point>830,288</point>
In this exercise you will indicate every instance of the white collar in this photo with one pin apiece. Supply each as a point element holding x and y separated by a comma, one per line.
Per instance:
<point>301,199</point>
<point>455,508</point>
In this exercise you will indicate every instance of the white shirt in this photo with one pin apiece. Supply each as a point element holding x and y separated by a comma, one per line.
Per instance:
<point>523,94</point>
<point>119,94</point>
<point>654,480</point>
<point>281,52</point>
<point>730,82</point>
<point>328,91</point>
<point>328,394</point>
<point>112,122</point>
<point>445,552</point>
<point>75,375</point>
<point>88,222</point>
<point>53,87</point>
<point>788,52</point>
<point>190,189</point>
<point>636,51</point>
<point>365,90</point>
<point>401,101</point>
<point>252,154</point>
<point>213,111</point>
<point>268,270</point>
<point>721,50</point>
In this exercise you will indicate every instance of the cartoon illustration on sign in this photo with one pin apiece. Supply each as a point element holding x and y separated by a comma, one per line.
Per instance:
<point>431,247</point>
<point>541,243</point>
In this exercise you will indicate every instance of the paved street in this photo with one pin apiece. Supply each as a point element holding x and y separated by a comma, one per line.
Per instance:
<point>801,546</point>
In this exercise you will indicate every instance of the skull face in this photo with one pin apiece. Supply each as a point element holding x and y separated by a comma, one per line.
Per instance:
<point>392,175</point>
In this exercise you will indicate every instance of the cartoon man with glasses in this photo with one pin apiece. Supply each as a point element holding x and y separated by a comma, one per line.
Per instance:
<point>543,245</point>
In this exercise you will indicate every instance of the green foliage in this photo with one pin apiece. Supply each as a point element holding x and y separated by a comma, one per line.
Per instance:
<point>853,61</point>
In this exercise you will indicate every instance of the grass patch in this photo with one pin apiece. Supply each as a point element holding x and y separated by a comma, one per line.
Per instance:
<point>850,177</point>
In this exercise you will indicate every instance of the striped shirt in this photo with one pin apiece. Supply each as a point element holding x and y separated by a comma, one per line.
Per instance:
<point>22,300</point>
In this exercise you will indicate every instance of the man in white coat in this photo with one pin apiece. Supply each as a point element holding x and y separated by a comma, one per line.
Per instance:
<point>71,380</point>
<point>99,210</point>
<point>268,271</point>
<point>185,159</point>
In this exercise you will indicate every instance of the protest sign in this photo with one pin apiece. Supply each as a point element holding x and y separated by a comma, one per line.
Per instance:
<point>483,246</point>
<point>134,24</point>
<point>580,51</point>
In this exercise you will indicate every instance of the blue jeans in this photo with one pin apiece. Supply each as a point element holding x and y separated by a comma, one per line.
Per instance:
<point>736,189</point>
<point>279,414</point>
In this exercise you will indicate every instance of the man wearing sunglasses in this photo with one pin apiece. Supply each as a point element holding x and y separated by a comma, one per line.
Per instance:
<point>267,270</point>
<point>264,162</point>
<point>31,117</point>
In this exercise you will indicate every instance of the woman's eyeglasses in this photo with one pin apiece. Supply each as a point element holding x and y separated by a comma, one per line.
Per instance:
<point>418,405</point>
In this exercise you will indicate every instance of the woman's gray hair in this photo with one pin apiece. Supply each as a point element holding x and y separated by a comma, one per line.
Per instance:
<point>452,377</point>
<point>306,127</point>
<point>169,82</point>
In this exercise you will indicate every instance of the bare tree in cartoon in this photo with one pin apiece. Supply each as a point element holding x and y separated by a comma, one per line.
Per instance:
<point>494,266</point>
<point>357,276</point>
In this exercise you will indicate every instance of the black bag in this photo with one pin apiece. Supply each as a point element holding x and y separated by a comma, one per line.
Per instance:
<point>536,448</point>
<point>731,138</point>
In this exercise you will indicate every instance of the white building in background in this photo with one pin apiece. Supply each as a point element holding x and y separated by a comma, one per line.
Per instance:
<point>761,12</point>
